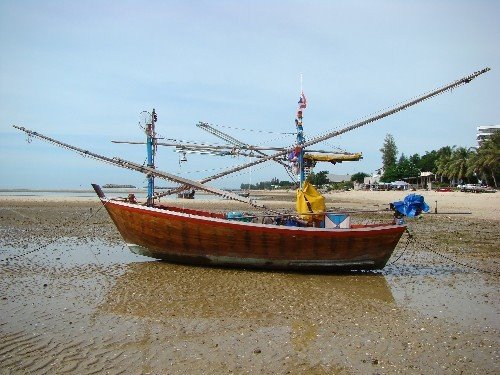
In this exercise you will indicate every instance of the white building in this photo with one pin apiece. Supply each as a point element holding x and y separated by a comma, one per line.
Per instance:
<point>484,132</point>
<point>374,178</point>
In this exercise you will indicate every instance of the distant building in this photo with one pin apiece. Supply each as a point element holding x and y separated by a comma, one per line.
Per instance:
<point>484,132</point>
<point>374,178</point>
<point>426,180</point>
<point>338,177</point>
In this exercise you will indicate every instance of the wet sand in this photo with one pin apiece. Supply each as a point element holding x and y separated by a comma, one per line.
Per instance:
<point>79,302</point>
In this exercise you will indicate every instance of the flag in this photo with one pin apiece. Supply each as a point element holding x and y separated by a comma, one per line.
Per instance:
<point>302,101</point>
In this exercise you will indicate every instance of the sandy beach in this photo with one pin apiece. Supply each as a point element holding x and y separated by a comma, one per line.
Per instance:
<point>75,300</point>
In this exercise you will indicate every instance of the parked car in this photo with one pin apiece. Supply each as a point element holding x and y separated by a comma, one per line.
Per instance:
<point>445,189</point>
<point>473,188</point>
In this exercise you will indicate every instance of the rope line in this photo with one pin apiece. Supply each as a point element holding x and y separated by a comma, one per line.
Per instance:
<point>14,257</point>
<point>410,238</point>
<point>19,214</point>
<point>457,262</point>
<point>252,130</point>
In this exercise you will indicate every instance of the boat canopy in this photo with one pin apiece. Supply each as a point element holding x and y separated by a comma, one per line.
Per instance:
<point>333,158</point>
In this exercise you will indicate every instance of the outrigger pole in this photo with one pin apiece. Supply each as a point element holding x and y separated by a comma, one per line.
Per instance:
<point>346,129</point>
<point>150,171</point>
<point>239,144</point>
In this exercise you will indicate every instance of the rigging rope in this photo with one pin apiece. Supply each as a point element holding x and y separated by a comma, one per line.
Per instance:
<point>457,262</point>
<point>409,239</point>
<point>268,141</point>
<point>253,130</point>
<point>412,238</point>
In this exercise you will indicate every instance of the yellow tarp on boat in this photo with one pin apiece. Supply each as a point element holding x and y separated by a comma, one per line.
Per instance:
<point>334,158</point>
<point>309,201</point>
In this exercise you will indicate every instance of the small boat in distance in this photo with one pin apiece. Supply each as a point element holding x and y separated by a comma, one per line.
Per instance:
<point>186,194</point>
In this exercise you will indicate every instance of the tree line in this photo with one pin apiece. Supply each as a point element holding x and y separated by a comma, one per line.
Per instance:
<point>268,185</point>
<point>317,179</point>
<point>449,164</point>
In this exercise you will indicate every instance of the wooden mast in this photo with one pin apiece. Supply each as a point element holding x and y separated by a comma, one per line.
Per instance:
<point>299,148</point>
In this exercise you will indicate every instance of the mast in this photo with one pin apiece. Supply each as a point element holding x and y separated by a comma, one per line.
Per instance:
<point>150,146</point>
<point>299,147</point>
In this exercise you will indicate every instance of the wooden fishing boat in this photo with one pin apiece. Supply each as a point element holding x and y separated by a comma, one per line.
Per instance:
<point>204,238</point>
<point>309,240</point>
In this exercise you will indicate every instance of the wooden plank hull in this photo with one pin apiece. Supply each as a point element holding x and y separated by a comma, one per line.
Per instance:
<point>190,237</point>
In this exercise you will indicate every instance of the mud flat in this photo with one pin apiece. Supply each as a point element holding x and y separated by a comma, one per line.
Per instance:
<point>75,300</point>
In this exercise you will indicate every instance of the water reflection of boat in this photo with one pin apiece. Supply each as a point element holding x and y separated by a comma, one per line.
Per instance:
<point>162,290</point>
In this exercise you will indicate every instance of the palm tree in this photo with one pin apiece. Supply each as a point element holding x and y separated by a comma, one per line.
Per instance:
<point>443,161</point>
<point>486,161</point>
<point>457,165</point>
<point>473,164</point>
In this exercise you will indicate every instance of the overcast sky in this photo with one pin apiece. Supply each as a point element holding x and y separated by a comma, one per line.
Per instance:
<point>82,72</point>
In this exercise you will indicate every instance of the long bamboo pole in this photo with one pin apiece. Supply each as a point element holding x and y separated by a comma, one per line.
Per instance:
<point>346,129</point>
<point>143,169</point>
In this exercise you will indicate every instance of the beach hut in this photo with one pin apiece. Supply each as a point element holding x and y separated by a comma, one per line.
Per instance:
<point>426,179</point>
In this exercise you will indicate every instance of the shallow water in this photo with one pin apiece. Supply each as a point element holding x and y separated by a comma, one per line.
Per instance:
<point>84,193</point>
<point>439,289</point>
<point>85,306</point>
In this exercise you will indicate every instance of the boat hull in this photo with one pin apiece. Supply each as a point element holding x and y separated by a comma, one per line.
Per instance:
<point>197,237</point>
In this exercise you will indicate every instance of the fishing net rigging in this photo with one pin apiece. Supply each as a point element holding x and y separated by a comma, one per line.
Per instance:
<point>151,171</point>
